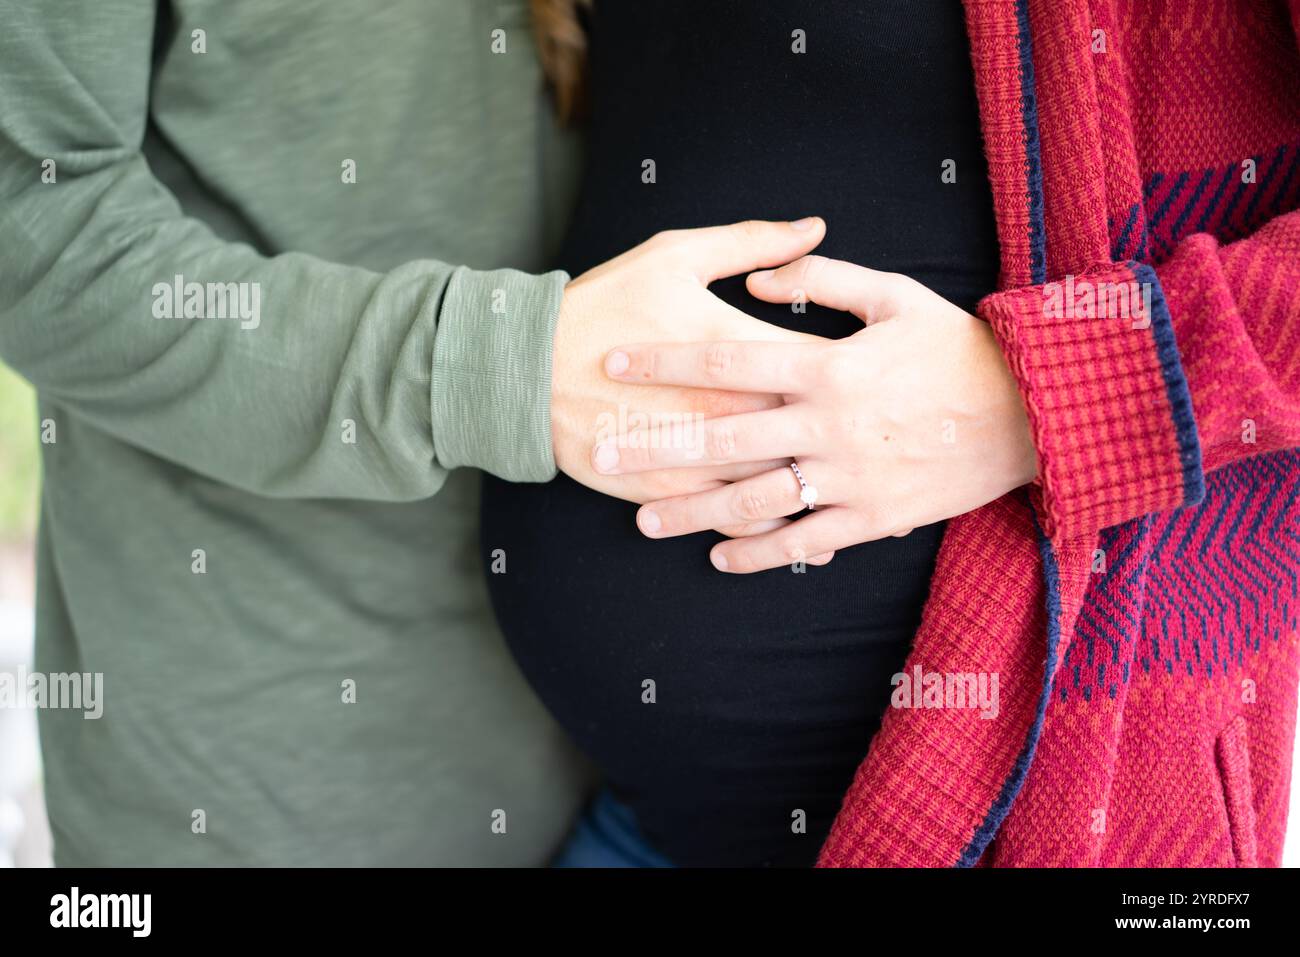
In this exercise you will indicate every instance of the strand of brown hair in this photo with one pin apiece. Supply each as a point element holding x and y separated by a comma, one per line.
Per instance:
<point>562,49</point>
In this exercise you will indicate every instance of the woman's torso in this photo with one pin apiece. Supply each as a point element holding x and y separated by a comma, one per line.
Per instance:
<point>767,688</point>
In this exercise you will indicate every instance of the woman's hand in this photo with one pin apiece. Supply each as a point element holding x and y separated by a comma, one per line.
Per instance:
<point>658,292</point>
<point>914,419</point>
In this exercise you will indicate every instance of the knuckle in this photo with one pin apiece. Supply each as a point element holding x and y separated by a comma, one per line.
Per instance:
<point>720,442</point>
<point>751,504</point>
<point>794,551</point>
<point>719,358</point>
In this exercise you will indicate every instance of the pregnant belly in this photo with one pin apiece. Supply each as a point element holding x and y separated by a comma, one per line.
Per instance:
<point>718,706</point>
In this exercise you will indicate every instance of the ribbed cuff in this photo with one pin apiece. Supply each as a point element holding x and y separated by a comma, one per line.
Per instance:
<point>491,393</point>
<point>1107,399</point>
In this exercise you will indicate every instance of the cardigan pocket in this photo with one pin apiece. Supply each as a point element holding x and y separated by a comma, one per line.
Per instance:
<point>1233,754</point>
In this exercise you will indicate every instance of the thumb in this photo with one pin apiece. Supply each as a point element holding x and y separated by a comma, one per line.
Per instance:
<point>715,252</point>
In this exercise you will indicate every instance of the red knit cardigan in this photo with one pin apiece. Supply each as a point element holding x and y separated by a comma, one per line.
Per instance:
<point>1138,603</point>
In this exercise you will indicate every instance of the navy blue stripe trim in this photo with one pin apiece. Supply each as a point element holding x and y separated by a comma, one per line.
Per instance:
<point>1197,192</point>
<point>1033,148</point>
<point>1284,191</point>
<point>1226,219</point>
<point>1179,182</point>
<point>1180,396</point>
<point>1214,200</point>
<point>1038,273</point>
<point>1016,779</point>
<point>1121,244</point>
<point>1273,168</point>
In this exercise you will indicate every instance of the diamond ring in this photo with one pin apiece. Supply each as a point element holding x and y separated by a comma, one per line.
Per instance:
<point>807,493</point>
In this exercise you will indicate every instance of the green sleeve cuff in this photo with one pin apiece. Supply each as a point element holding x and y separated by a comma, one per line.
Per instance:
<point>491,393</point>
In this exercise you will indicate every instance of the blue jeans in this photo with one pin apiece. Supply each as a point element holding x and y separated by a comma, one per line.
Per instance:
<point>607,835</point>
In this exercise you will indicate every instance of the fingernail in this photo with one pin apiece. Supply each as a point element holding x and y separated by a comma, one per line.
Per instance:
<point>763,275</point>
<point>805,224</point>
<point>650,523</point>
<point>719,561</point>
<point>606,457</point>
<point>616,363</point>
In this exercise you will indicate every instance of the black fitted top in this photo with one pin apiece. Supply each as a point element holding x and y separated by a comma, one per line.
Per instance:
<point>767,687</point>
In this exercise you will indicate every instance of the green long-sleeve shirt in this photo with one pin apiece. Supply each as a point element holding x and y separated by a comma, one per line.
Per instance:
<point>249,517</point>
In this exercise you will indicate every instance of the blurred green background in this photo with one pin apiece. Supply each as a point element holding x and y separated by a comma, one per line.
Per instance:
<point>19,459</point>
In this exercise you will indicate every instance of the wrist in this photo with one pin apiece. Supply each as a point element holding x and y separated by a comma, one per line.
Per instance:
<point>1015,433</point>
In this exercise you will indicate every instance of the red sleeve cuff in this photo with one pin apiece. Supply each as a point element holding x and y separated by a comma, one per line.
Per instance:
<point>1107,399</point>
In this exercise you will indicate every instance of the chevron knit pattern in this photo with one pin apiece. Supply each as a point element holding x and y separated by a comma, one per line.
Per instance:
<point>1140,604</point>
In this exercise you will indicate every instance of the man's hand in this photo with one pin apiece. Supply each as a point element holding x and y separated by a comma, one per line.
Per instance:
<point>657,293</point>
<point>914,419</point>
